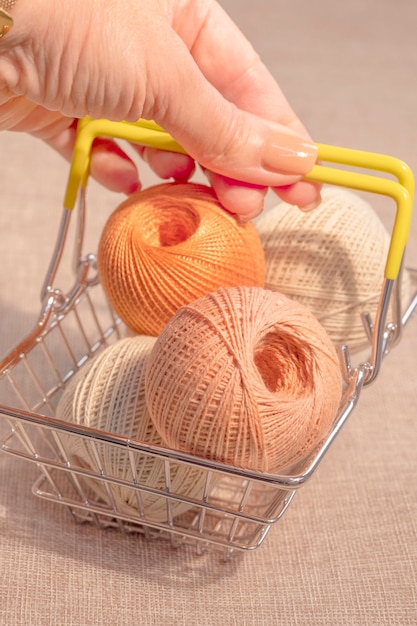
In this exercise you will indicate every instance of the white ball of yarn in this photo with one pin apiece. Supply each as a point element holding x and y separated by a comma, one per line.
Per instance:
<point>331,260</point>
<point>108,394</point>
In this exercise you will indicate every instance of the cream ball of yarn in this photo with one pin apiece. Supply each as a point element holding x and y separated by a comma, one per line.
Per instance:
<point>244,376</point>
<point>331,260</point>
<point>108,394</point>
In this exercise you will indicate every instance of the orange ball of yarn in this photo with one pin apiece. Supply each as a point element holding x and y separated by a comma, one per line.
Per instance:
<point>169,245</point>
<point>244,376</point>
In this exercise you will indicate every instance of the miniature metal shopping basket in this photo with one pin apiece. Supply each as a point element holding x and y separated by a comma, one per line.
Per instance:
<point>237,508</point>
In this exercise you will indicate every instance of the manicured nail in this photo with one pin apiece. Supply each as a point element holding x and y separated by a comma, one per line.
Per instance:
<point>311,206</point>
<point>128,180</point>
<point>288,154</point>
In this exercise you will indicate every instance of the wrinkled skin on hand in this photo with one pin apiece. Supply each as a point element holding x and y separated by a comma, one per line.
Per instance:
<point>182,63</point>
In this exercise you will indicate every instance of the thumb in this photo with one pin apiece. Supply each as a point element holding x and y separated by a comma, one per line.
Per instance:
<point>223,138</point>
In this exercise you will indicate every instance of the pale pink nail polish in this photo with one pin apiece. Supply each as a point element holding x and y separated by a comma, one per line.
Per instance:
<point>288,154</point>
<point>311,206</point>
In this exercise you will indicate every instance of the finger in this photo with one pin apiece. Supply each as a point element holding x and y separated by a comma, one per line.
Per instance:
<point>223,138</point>
<point>246,200</point>
<point>180,167</point>
<point>234,68</point>
<point>234,143</point>
<point>305,195</point>
<point>244,147</point>
<point>109,165</point>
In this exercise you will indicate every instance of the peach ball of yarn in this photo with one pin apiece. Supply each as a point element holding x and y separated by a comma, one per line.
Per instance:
<point>167,246</point>
<point>108,394</point>
<point>332,260</point>
<point>244,376</point>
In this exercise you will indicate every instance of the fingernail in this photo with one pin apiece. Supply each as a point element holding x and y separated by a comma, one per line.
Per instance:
<point>128,180</point>
<point>288,154</point>
<point>133,187</point>
<point>311,205</point>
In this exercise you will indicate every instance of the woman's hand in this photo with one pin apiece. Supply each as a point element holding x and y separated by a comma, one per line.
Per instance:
<point>182,63</point>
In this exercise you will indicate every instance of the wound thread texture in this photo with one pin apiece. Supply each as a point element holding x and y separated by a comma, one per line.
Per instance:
<point>246,377</point>
<point>108,394</point>
<point>167,246</point>
<point>332,260</point>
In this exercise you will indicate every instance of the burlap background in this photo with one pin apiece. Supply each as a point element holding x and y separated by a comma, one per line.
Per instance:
<point>345,553</point>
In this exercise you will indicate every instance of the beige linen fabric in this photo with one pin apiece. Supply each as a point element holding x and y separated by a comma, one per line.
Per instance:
<point>345,553</point>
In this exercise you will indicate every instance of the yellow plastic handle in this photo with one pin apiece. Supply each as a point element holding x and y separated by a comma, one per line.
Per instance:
<point>144,132</point>
<point>147,133</point>
<point>400,190</point>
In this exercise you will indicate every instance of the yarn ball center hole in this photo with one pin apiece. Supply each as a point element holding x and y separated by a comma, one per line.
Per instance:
<point>284,364</point>
<point>172,223</point>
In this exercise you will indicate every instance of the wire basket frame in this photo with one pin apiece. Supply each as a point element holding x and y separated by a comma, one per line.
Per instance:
<point>234,509</point>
